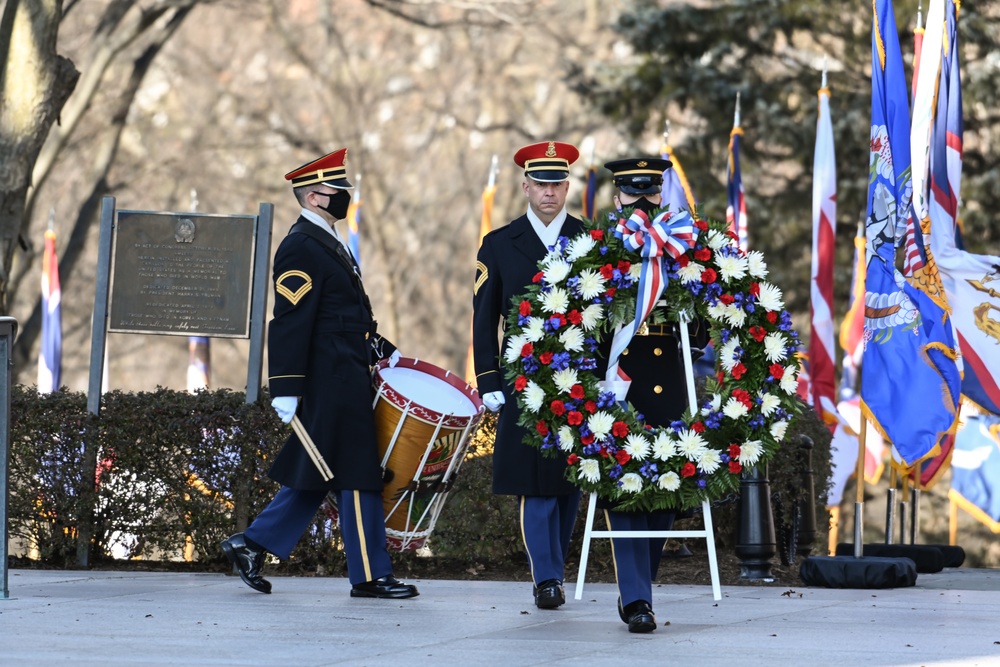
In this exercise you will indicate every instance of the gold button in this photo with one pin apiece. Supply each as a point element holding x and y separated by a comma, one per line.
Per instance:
<point>366,335</point>
<point>657,389</point>
<point>625,352</point>
<point>657,351</point>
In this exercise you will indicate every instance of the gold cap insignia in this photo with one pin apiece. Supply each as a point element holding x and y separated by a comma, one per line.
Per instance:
<point>641,163</point>
<point>551,151</point>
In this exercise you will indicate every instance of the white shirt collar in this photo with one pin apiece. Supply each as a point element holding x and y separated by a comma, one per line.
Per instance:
<point>323,224</point>
<point>548,234</point>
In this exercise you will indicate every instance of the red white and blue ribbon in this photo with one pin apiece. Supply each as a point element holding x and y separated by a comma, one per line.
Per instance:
<point>668,234</point>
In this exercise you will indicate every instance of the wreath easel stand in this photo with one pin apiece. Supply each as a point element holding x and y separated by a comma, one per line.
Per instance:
<point>708,533</point>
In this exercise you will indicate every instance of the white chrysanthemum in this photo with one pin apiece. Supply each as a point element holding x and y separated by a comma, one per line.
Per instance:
<point>727,353</point>
<point>590,470</point>
<point>756,264</point>
<point>552,257</point>
<point>709,461</point>
<point>590,285</point>
<point>690,273</point>
<point>557,272</point>
<point>750,452</point>
<point>631,482</point>
<point>572,339</point>
<point>790,380</point>
<point>774,346</point>
<point>514,345</point>
<point>565,379</point>
<point>664,446</point>
<point>716,239</point>
<point>770,297</point>
<point>669,481</point>
<point>716,402</point>
<point>731,268</point>
<point>690,444</point>
<point>600,424</point>
<point>734,409</point>
<point>768,404</point>
<point>579,247</point>
<point>534,395</point>
<point>635,271</point>
<point>735,315</point>
<point>778,430</point>
<point>637,446</point>
<point>567,438</point>
<point>717,311</point>
<point>534,329</point>
<point>592,316</point>
<point>556,300</point>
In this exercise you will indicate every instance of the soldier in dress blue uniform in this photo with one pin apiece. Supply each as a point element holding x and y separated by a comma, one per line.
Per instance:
<point>659,392</point>
<point>322,342</point>
<point>507,262</point>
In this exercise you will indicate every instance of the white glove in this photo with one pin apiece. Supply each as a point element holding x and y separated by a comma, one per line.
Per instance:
<point>285,407</point>
<point>493,400</point>
<point>394,359</point>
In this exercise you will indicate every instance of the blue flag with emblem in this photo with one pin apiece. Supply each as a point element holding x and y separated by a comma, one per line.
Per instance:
<point>975,470</point>
<point>910,384</point>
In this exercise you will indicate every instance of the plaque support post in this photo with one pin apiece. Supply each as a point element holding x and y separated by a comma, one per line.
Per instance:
<point>258,304</point>
<point>8,329</point>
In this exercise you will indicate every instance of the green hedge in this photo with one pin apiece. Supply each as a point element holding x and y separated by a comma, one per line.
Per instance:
<point>178,472</point>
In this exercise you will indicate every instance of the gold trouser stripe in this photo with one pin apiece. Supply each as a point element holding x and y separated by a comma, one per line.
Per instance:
<point>531,564</point>
<point>311,450</point>
<point>614,560</point>
<point>361,536</point>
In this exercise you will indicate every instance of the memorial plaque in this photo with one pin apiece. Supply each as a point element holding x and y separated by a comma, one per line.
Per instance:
<point>182,274</point>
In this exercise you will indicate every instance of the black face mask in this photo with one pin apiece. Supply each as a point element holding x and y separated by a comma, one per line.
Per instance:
<point>337,203</point>
<point>643,204</point>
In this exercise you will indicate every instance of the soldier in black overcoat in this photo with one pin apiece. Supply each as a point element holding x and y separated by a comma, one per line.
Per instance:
<point>507,261</point>
<point>322,343</point>
<point>658,391</point>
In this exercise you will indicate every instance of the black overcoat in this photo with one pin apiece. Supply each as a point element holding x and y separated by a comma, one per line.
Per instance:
<point>508,260</point>
<point>321,344</point>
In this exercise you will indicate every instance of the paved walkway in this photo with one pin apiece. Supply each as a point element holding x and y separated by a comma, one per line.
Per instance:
<point>83,618</point>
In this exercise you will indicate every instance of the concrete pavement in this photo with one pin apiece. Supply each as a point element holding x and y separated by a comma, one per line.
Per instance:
<point>147,618</point>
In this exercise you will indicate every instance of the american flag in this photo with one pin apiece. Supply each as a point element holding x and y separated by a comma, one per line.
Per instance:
<point>736,209</point>
<point>50,354</point>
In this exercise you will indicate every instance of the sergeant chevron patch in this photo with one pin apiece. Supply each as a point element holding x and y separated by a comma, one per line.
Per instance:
<point>481,276</point>
<point>293,277</point>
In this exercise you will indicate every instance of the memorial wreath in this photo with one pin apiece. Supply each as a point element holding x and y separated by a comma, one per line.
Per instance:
<point>612,279</point>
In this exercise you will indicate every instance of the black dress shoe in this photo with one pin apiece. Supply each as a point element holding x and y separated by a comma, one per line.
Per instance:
<point>640,616</point>
<point>549,594</point>
<point>384,587</point>
<point>247,561</point>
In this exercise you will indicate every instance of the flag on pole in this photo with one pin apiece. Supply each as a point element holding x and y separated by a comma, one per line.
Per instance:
<point>199,363</point>
<point>589,192</point>
<point>485,226</point>
<point>736,208</point>
<point>910,350</point>
<point>918,40</point>
<point>975,470</point>
<point>824,213</point>
<point>852,329</point>
<point>50,353</point>
<point>353,221</point>
<point>676,191</point>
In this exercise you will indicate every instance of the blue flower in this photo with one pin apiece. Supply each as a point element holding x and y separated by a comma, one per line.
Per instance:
<point>714,420</point>
<point>560,361</point>
<point>530,364</point>
<point>648,470</point>
<point>756,422</point>
<point>605,399</point>
<point>701,483</point>
<point>615,471</point>
<point>678,425</point>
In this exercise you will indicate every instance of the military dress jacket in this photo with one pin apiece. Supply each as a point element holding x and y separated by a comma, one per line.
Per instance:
<point>507,262</point>
<point>321,345</point>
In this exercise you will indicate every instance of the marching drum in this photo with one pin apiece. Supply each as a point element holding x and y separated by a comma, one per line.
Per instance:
<point>424,416</point>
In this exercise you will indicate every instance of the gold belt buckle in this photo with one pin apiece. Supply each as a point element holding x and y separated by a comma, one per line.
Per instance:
<point>643,330</point>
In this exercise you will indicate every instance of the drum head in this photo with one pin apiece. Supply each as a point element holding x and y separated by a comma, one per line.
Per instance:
<point>428,391</point>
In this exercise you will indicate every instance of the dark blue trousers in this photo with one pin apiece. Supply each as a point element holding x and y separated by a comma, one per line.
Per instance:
<point>637,558</point>
<point>546,528</point>
<point>362,527</point>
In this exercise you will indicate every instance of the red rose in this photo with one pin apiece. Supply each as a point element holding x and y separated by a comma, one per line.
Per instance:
<point>698,427</point>
<point>590,406</point>
<point>622,456</point>
<point>758,333</point>
<point>559,317</point>
<point>576,392</point>
<point>624,266</point>
<point>743,396</point>
<point>727,299</point>
<point>611,292</point>
<point>574,316</point>
<point>603,452</point>
<point>520,383</point>
<point>538,277</point>
<point>708,276</point>
<point>527,350</point>
<point>545,358</point>
<point>735,467</point>
<point>607,272</point>
<point>755,289</point>
<point>683,261</point>
<point>586,439</point>
<point>575,418</point>
<point>772,317</point>
<point>688,470</point>
<point>703,254</point>
<point>597,234</point>
<point>572,459</point>
<point>542,428</point>
<point>739,370</point>
<point>525,308</point>
<point>776,370</point>
<point>701,224</point>
<point>620,429</point>
<point>731,234</point>
<point>558,408</point>
<point>734,451</point>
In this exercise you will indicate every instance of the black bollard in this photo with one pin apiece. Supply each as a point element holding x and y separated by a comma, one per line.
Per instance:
<point>805,508</point>
<point>755,541</point>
